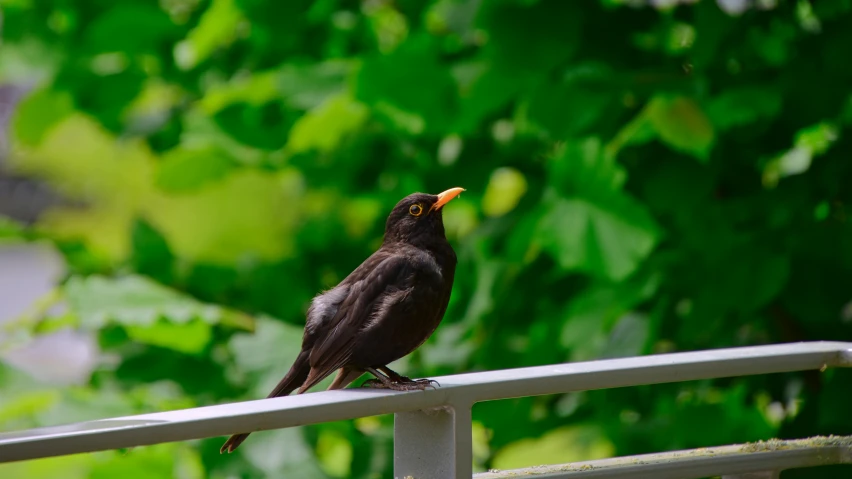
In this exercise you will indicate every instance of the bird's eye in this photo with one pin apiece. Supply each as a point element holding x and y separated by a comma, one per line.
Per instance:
<point>415,210</point>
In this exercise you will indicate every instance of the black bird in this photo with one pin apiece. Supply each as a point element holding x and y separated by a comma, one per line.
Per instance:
<point>383,310</point>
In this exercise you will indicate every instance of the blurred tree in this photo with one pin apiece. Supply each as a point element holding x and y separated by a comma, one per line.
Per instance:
<point>642,177</point>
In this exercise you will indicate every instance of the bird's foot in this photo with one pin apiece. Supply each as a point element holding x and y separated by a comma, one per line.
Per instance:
<point>405,384</point>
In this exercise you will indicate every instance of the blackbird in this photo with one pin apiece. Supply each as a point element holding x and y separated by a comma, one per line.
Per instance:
<point>383,310</point>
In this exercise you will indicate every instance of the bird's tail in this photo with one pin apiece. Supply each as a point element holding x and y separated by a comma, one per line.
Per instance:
<point>295,377</point>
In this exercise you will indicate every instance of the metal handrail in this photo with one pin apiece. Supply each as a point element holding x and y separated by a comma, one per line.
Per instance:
<point>432,428</point>
<point>764,458</point>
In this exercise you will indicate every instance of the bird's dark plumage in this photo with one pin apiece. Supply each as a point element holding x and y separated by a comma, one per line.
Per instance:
<point>383,310</point>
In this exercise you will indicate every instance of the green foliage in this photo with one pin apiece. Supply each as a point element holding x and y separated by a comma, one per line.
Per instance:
<point>681,124</point>
<point>10,229</point>
<point>638,181</point>
<point>134,301</point>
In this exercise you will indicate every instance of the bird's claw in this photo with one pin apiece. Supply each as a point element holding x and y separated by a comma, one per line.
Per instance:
<point>406,384</point>
<point>422,384</point>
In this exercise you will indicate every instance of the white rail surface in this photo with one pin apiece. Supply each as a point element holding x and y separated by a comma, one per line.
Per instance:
<point>432,428</point>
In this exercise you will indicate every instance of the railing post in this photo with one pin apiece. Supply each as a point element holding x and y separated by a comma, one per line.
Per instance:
<point>433,444</point>
<point>755,475</point>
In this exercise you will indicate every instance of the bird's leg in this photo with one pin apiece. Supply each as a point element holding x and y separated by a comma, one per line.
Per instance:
<point>393,375</point>
<point>381,381</point>
<point>396,382</point>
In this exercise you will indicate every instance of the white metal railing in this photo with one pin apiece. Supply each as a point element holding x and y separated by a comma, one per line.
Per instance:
<point>761,460</point>
<point>432,428</point>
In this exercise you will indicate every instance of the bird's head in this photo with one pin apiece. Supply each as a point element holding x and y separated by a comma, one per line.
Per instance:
<point>418,217</point>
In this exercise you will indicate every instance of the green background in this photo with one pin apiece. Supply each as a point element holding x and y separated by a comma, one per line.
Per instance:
<point>640,179</point>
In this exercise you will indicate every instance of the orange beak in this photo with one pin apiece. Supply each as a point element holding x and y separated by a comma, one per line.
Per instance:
<point>445,197</point>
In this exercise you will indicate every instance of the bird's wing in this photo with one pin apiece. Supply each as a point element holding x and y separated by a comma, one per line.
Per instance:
<point>368,285</point>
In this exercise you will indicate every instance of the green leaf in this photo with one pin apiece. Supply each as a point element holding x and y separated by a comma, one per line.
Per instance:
<point>215,29</point>
<point>505,189</point>
<point>138,301</point>
<point>27,404</point>
<point>582,167</point>
<point>608,240</point>
<point>484,89</point>
<point>270,339</point>
<point>681,124</point>
<point>151,254</point>
<point>257,89</point>
<point>605,301</point>
<point>324,127</point>
<point>190,338</point>
<point>334,453</point>
<point>184,170</point>
<point>359,214</point>
<point>773,42</point>
<point>638,131</point>
<point>584,336</point>
<point>131,28</point>
<point>564,444</point>
<point>810,142</point>
<point>585,171</point>
<point>201,131</point>
<point>402,120</point>
<point>817,138</point>
<point>38,112</point>
<point>429,90</point>
<point>743,106</point>
<point>250,214</point>
<point>628,337</point>
<point>307,86</point>
<point>568,110</point>
<point>598,309</point>
<point>284,453</point>
<point>261,126</point>
<point>265,354</point>
<point>462,219</point>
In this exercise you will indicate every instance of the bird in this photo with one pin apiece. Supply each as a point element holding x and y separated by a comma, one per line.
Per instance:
<point>385,309</point>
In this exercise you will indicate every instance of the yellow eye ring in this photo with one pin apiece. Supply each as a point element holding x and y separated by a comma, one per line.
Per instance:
<point>415,210</point>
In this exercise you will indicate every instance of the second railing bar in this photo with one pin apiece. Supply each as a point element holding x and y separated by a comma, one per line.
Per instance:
<point>762,460</point>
